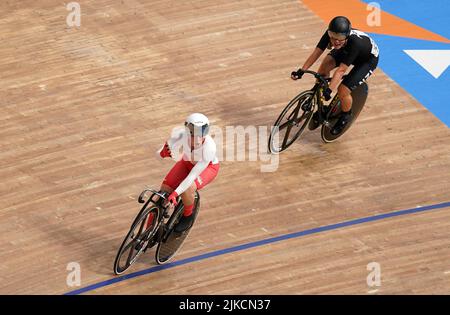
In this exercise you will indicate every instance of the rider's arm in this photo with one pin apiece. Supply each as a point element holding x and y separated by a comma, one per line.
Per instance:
<point>312,58</point>
<point>318,51</point>
<point>174,143</point>
<point>193,174</point>
<point>208,155</point>
<point>176,139</point>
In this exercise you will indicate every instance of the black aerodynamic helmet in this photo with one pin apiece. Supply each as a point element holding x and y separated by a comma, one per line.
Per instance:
<point>340,26</point>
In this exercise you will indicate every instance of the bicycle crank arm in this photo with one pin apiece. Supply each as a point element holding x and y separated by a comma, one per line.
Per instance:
<point>136,257</point>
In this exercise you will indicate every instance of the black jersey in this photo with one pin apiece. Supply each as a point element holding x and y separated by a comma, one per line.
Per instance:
<point>359,48</point>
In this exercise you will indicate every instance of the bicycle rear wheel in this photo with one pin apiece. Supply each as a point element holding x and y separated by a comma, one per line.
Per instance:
<point>292,122</point>
<point>172,241</point>
<point>134,244</point>
<point>359,96</point>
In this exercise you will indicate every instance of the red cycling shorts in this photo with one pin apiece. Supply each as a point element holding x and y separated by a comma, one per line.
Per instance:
<point>181,170</point>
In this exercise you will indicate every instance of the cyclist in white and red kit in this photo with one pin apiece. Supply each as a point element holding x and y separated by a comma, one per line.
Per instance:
<point>197,167</point>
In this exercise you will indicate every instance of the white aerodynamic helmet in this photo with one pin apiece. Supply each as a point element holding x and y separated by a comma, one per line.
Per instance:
<point>198,124</point>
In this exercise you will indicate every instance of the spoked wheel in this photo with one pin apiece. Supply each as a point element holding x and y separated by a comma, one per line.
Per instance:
<point>134,244</point>
<point>172,240</point>
<point>359,96</point>
<point>292,122</point>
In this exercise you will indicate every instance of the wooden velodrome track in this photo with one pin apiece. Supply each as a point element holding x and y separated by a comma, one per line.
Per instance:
<point>84,109</point>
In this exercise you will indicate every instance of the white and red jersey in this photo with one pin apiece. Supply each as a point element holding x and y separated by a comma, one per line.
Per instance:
<point>180,146</point>
<point>201,157</point>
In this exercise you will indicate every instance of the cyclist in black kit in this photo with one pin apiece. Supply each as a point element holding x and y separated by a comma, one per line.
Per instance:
<point>350,47</point>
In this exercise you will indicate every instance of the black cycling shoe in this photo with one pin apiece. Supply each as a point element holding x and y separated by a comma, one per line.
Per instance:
<point>184,224</point>
<point>314,123</point>
<point>343,120</point>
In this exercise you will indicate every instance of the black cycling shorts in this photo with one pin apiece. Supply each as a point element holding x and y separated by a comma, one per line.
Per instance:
<point>359,73</point>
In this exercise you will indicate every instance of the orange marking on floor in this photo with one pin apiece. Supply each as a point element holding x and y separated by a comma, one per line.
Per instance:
<point>358,12</point>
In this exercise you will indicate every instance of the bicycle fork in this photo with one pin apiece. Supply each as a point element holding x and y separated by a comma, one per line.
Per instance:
<point>320,105</point>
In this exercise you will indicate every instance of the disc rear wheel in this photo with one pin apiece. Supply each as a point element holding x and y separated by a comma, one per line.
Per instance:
<point>172,241</point>
<point>359,96</point>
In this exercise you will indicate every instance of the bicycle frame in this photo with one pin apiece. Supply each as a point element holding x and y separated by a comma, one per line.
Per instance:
<point>138,243</point>
<point>165,209</point>
<point>143,193</point>
<point>308,108</point>
<point>158,203</point>
<point>318,94</point>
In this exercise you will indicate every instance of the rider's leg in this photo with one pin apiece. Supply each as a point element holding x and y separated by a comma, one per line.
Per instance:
<point>188,198</point>
<point>345,96</point>
<point>166,188</point>
<point>175,176</point>
<point>206,177</point>
<point>187,219</point>
<point>356,77</point>
<point>328,64</point>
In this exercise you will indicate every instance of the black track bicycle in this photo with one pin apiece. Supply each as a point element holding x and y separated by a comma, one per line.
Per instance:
<point>153,226</point>
<point>297,115</point>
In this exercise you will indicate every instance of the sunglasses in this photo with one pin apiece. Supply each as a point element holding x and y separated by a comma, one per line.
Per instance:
<point>337,36</point>
<point>197,131</point>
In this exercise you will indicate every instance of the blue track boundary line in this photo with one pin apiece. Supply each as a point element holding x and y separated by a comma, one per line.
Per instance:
<point>256,244</point>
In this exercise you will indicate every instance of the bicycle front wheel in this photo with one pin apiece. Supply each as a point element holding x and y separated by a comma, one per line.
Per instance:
<point>134,244</point>
<point>292,122</point>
